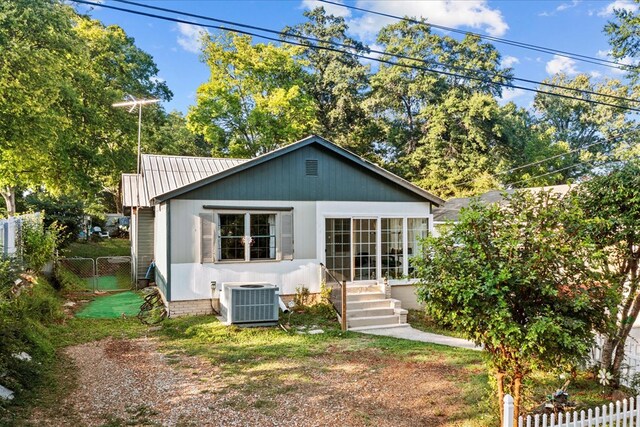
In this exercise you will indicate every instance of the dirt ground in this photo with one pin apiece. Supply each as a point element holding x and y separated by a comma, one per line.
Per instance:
<point>131,382</point>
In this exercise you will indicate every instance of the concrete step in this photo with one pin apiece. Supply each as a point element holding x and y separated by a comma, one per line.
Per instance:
<point>380,321</point>
<point>375,303</point>
<point>359,289</point>
<point>365,296</point>
<point>370,312</point>
<point>363,283</point>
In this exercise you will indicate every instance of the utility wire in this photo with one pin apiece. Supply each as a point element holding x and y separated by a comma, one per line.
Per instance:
<point>566,168</point>
<point>384,61</point>
<point>585,58</point>
<point>369,50</point>
<point>611,139</point>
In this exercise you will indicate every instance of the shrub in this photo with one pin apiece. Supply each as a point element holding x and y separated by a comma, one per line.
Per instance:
<point>38,244</point>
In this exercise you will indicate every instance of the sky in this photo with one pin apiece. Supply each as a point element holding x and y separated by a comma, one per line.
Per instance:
<point>572,25</point>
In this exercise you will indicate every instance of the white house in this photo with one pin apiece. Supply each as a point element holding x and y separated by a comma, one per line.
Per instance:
<point>274,218</point>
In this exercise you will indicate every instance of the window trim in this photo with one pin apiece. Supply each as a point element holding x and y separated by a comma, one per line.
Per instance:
<point>247,212</point>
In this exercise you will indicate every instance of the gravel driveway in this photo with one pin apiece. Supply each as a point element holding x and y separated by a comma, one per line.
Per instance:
<point>131,382</point>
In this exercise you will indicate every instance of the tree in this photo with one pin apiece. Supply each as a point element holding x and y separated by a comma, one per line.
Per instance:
<point>337,81</point>
<point>613,201</point>
<point>173,137</point>
<point>440,131</point>
<point>624,39</point>
<point>36,39</point>
<point>254,100</point>
<point>59,74</point>
<point>591,131</point>
<point>514,279</point>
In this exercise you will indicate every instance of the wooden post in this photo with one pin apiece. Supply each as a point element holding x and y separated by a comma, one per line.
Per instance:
<point>507,415</point>
<point>343,312</point>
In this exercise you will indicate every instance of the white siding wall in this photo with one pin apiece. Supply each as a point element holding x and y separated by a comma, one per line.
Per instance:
<point>192,280</point>
<point>160,242</point>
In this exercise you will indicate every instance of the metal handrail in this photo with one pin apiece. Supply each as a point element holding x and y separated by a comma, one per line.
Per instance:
<point>343,297</point>
<point>331,274</point>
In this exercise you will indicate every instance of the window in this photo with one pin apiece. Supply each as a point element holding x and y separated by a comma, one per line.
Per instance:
<point>417,229</point>
<point>263,236</point>
<point>232,238</point>
<point>391,243</point>
<point>248,236</point>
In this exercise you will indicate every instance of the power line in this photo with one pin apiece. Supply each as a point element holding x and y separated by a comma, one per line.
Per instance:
<point>450,74</point>
<point>585,58</point>
<point>611,139</point>
<point>369,50</point>
<point>566,168</point>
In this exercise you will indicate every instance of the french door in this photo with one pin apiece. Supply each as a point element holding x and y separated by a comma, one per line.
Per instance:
<point>351,248</point>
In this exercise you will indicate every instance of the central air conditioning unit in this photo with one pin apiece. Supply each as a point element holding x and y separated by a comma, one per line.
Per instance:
<point>249,304</point>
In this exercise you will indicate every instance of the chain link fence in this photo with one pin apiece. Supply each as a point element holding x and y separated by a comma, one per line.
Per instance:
<point>77,273</point>
<point>104,274</point>
<point>113,273</point>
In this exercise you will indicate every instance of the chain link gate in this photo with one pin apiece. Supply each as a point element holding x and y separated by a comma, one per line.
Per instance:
<point>77,273</point>
<point>113,273</point>
<point>106,274</point>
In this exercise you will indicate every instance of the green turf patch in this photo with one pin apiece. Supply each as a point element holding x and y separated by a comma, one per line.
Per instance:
<point>112,306</point>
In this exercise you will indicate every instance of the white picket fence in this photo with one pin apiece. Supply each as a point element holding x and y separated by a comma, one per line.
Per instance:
<point>620,414</point>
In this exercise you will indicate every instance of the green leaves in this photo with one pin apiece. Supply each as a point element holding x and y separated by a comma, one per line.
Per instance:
<point>513,277</point>
<point>254,101</point>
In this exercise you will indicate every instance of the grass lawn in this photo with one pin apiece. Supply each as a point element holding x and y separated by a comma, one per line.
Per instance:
<point>351,378</point>
<point>104,247</point>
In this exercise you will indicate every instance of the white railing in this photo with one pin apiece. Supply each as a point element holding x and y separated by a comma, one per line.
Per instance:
<point>620,414</point>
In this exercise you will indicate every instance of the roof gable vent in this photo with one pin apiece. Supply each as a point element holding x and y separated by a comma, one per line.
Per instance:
<point>311,167</point>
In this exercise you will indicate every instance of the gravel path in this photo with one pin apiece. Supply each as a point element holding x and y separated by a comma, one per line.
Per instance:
<point>131,382</point>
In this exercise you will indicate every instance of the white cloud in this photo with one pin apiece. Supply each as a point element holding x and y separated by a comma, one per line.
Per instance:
<point>190,38</point>
<point>565,6</point>
<point>606,54</point>
<point>472,13</point>
<point>595,74</point>
<point>331,9</point>
<point>509,61</point>
<point>510,94</point>
<point>561,8</point>
<point>560,64</point>
<point>156,79</point>
<point>618,4</point>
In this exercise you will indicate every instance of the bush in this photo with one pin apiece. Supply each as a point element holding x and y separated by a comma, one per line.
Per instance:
<point>38,244</point>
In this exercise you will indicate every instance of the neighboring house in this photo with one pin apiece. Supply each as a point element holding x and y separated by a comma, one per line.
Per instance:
<point>449,212</point>
<point>274,219</point>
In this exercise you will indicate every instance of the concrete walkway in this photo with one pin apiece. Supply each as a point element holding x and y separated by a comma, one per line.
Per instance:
<point>409,333</point>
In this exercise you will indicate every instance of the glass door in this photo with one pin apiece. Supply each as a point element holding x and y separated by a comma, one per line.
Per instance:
<point>364,249</point>
<point>338,247</point>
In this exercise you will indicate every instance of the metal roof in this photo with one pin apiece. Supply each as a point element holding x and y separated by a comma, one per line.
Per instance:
<point>451,209</point>
<point>296,145</point>
<point>162,174</point>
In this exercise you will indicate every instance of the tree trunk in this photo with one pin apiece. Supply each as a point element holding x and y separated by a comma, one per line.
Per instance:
<point>500,383</point>
<point>517,386</point>
<point>9,195</point>
<point>607,353</point>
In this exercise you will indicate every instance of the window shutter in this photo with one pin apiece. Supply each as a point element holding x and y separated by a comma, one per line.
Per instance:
<point>207,240</point>
<point>286,235</point>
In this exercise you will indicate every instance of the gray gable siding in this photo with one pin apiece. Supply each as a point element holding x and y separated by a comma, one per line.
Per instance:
<point>284,178</point>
